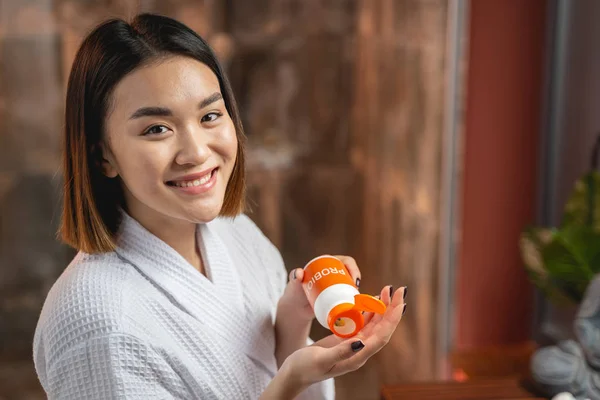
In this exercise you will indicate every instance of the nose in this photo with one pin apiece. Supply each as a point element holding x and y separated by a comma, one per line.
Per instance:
<point>193,147</point>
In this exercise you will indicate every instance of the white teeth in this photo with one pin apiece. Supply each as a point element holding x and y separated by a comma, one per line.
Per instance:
<point>195,182</point>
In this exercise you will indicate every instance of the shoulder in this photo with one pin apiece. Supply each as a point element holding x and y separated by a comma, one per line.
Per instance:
<point>84,302</point>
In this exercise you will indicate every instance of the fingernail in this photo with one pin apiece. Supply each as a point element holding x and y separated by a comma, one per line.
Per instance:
<point>294,274</point>
<point>391,292</point>
<point>357,282</point>
<point>356,346</point>
<point>404,309</point>
<point>405,290</point>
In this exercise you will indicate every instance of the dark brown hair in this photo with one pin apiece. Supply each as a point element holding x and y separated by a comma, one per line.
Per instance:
<point>91,215</point>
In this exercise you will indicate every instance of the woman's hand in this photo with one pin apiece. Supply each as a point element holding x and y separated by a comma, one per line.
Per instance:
<point>332,356</point>
<point>294,313</point>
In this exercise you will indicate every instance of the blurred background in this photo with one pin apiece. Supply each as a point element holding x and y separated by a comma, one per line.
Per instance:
<point>419,136</point>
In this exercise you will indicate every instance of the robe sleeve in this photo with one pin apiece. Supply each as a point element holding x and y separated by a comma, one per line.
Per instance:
<point>114,365</point>
<point>324,390</point>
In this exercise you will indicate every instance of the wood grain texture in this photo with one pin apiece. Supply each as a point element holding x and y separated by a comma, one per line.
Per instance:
<point>342,102</point>
<point>350,116</point>
<point>398,135</point>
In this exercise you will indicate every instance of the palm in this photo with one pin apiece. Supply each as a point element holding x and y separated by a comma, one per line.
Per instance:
<point>375,326</point>
<point>374,335</point>
<point>372,324</point>
<point>333,356</point>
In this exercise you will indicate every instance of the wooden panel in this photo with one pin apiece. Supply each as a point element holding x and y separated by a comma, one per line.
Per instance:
<point>397,128</point>
<point>344,117</point>
<point>342,102</point>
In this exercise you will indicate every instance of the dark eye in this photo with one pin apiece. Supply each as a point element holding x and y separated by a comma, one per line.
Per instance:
<point>156,130</point>
<point>211,117</point>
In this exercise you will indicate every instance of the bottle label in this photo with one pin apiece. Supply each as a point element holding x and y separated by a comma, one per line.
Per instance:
<point>322,273</point>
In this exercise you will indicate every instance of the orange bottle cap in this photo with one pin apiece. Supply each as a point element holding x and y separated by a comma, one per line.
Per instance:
<point>345,320</point>
<point>367,303</point>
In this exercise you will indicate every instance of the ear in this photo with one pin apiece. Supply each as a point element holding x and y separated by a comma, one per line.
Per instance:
<point>105,160</point>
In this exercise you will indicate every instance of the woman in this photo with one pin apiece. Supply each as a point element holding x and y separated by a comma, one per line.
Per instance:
<point>174,293</point>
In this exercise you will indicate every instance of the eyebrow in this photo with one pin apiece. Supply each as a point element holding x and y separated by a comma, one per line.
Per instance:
<point>216,96</point>
<point>165,112</point>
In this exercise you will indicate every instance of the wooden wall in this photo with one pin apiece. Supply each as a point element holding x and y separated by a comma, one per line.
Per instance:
<point>343,105</point>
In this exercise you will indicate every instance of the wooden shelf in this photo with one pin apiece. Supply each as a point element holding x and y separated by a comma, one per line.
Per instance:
<point>500,372</point>
<point>493,362</point>
<point>477,389</point>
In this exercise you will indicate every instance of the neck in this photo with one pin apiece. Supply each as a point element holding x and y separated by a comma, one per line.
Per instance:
<point>179,234</point>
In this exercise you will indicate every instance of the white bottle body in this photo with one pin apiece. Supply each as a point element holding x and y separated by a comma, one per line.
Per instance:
<point>330,297</point>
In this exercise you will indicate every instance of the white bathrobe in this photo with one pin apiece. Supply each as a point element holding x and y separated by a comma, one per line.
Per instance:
<point>142,323</point>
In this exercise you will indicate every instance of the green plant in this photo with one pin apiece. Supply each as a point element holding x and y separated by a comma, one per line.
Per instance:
<point>562,261</point>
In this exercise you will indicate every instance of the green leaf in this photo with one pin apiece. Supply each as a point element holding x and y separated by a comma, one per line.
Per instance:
<point>557,292</point>
<point>577,209</point>
<point>572,259</point>
<point>563,264</point>
<point>583,240</point>
<point>531,243</point>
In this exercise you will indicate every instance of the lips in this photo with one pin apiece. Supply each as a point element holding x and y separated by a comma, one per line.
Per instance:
<point>192,180</point>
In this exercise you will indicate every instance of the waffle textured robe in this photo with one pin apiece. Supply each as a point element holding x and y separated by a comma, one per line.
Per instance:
<point>142,323</point>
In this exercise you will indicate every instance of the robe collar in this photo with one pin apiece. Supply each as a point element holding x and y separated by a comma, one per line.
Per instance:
<point>216,297</point>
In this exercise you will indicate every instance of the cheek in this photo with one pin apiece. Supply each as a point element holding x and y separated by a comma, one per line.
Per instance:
<point>230,143</point>
<point>140,168</point>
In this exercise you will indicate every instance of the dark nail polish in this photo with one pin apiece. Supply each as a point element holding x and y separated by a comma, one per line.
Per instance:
<point>391,292</point>
<point>356,346</point>
<point>357,282</point>
<point>405,290</point>
<point>404,309</point>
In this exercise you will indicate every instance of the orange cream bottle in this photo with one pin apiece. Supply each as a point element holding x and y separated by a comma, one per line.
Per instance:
<point>334,297</point>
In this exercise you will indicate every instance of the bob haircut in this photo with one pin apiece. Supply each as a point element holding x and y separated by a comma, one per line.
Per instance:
<point>91,201</point>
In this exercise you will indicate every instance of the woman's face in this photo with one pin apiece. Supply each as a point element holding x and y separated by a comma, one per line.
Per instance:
<point>171,141</point>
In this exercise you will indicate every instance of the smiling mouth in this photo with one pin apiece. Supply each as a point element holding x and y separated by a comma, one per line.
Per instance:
<point>193,182</point>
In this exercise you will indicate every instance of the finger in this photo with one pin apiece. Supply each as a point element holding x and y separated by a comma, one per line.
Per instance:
<point>370,347</point>
<point>381,327</point>
<point>399,296</point>
<point>387,323</point>
<point>352,267</point>
<point>328,341</point>
<point>386,294</point>
<point>367,317</point>
<point>297,274</point>
<point>386,297</point>
<point>392,315</point>
<point>294,285</point>
<point>370,319</point>
<point>344,351</point>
